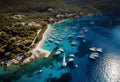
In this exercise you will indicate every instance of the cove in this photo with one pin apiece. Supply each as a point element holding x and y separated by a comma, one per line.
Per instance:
<point>102,31</point>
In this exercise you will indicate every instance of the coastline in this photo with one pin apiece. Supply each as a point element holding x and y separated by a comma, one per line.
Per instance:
<point>38,45</point>
<point>61,21</point>
<point>38,67</point>
<point>37,52</point>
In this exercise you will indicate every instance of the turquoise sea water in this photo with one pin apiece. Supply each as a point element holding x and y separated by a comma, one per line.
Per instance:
<point>102,31</point>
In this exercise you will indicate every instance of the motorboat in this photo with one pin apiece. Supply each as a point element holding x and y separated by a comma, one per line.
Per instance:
<point>81,36</point>
<point>57,42</point>
<point>70,59</point>
<point>51,40</point>
<point>92,49</point>
<point>94,55</point>
<point>58,52</point>
<point>71,55</point>
<point>60,49</point>
<point>60,39</point>
<point>99,50</point>
<point>74,43</point>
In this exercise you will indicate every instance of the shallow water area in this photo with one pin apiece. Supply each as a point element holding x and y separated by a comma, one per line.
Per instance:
<point>97,31</point>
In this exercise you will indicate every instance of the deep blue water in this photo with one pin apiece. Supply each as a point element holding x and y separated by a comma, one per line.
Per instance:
<point>103,33</point>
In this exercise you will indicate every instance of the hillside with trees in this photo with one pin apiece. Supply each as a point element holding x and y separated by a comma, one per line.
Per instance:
<point>21,19</point>
<point>102,5</point>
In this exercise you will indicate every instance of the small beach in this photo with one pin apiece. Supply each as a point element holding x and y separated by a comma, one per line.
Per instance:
<point>38,45</point>
<point>81,68</point>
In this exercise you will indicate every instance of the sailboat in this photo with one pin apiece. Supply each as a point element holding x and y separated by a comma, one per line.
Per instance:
<point>64,64</point>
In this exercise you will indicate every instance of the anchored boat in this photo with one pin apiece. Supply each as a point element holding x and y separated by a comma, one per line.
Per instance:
<point>64,64</point>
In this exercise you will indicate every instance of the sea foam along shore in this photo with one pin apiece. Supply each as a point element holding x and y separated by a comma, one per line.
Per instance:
<point>61,21</point>
<point>38,46</point>
<point>38,51</point>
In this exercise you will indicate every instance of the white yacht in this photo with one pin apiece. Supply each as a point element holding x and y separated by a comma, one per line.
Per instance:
<point>99,50</point>
<point>60,49</point>
<point>51,40</point>
<point>70,59</point>
<point>57,42</point>
<point>57,52</point>
<point>72,55</point>
<point>60,39</point>
<point>73,43</point>
<point>94,55</point>
<point>81,36</point>
<point>92,49</point>
<point>53,37</point>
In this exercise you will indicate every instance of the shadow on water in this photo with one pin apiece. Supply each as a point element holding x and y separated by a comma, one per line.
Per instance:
<point>71,65</point>
<point>83,49</point>
<point>66,77</point>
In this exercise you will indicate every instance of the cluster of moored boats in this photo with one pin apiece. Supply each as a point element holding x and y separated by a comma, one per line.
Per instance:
<point>70,60</point>
<point>95,52</point>
<point>64,62</point>
<point>59,51</point>
<point>54,36</point>
<point>73,43</point>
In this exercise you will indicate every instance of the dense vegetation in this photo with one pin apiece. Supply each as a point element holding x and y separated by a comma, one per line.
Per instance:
<point>15,38</point>
<point>16,32</point>
<point>102,5</point>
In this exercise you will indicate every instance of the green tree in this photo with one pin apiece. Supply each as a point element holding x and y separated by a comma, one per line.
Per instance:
<point>12,56</point>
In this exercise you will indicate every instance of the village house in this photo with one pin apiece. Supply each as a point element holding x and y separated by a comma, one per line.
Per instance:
<point>59,15</point>
<point>51,19</point>
<point>34,24</point>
